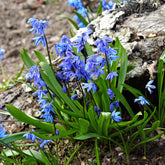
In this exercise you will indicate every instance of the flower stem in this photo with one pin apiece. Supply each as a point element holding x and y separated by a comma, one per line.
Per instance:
<point>47,47</point>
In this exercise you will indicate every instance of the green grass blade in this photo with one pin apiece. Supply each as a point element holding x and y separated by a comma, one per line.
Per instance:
<point>99,10</point>
<point>70,20</point>
<point>83,20</point>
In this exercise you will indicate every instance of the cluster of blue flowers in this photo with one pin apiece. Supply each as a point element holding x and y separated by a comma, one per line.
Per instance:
<point>80,9</point>
<point>47,108</point>
<point>87,70</point>
<point>1,54</point>
<point>38,27</point>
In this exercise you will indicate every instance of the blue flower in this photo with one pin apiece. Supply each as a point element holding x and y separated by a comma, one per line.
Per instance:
<point>74,97</point>
<point>34,73</point>
<point>65,46</point>
<point>30,136</point>
<point>113,105</point>
<point>115,116</point>
<point>97,109</point>
<point>110,93</point>
<point>64,89</point>
<point>47,108</point>
<point>40,39</point>
<point>75,3</point>
<point>94,64</point>
<point>142,100</point>
<point>107,6</point>
<point>81,40</point>
<point>57,132</point>
<point>149,86</point>
<point>89,86</point>
<point>40,93</point>
<point>101,43</point>
<point>111,75</point>
<point>2,132</point>
<point>43,143</point>
<point>1,54</point>
<point>38,26</point>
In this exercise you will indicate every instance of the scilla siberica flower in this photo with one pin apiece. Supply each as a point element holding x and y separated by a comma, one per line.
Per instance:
<point>107,6</point>
<point>115,116</point>
<point>94,65</point>
<point>32,137</point>
<point>75,3</point>
<point>111,75</point>
<point>2,132</point>
<point>38,26</point>
<point>47,108</point>
<point>142,100</point>
<point>97,109</point>
<point>149,86</point>
<point>89,86</point>
<point>1,54</point>
<point>34,74</point>
<point>65,46</point>
<point>81,40</point>
<point>110,93</point>
<point>40,39</point>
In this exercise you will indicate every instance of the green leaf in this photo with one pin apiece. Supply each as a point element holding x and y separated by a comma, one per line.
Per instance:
<point>12,138</point>
<point>84,124</point>
<point>89,49</point>
<point>99,10</point>
<point>90,12</point>
<point>45,159</point>
<point>130,67</point>
<point>87,136</point>
<point>123,64</point>
<point>103,123</point>
<point>40,56</point>
<point>122,99</point>
<point>155,125</point>
<point>9,152</point>
<point>34,154</point>
<point>21,116</point>
<point>4,158</point>
<point>26,59</point>
<point>70,20</point>
<point>83,20</point>
<point>92,118</point>
<point>73,153</point>
<point>147,140</point>
<point>97,152</point>
<point>61,134</point>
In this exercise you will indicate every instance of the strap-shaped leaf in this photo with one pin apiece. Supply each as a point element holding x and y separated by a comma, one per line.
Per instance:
<point>83,20</point>
<point>40,56</point>
<point>123,64</point>
<point>21,116</point>
<point>70,20</point>
<point>26,59</point>
<point>12,138</point>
